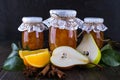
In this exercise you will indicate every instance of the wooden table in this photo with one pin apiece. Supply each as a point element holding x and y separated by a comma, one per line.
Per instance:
<point>74,74</point>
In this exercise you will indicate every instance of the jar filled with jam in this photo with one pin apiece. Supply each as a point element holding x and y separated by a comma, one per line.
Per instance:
<point>32,33</point>
<point>62,28</point>
<point>95,27</point>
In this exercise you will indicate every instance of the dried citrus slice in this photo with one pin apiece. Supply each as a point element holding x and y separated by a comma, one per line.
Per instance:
<point>38,60</point>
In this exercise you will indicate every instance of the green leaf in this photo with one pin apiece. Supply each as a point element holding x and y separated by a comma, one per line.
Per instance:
<point>111,57</point>
<point>14,47</point>
<point>12,54</point>
<point>13,64</point>
<point>107,46</point>
<point>14,50</point>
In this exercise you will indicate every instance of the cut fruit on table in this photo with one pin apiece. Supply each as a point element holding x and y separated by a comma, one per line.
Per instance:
<point>36,58</point>
<point>88,46</point>
<point>65,56</point>
<point>23,53</point>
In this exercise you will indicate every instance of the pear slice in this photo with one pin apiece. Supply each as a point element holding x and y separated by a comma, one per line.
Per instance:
<point>65,56</point>
<point>89,45</point>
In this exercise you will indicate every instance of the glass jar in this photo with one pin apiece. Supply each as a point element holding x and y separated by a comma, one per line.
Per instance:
<point>63,25</point>
<point>95,27</point>
<point>32,33</point>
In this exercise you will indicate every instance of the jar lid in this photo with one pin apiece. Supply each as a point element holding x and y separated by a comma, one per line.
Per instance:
<point>93,24</point>
<point>93,20</point>
<point>63,13</point>
<point>32,19</point>
<point>31,24</point>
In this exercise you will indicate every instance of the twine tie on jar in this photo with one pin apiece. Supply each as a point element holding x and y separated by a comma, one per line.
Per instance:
<point>63,22</point>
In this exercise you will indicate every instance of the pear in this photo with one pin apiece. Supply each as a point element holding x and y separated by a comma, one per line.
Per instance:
<point>88,46</point>
<point>65,56</point>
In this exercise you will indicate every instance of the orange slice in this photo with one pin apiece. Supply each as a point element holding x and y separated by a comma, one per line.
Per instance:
<point>23,53</point>
<point>38,60</point>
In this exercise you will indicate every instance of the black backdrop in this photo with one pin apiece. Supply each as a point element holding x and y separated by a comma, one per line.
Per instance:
<point>12,11</point>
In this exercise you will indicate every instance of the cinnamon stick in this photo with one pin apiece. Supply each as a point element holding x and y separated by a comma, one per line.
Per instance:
<point>44,71</point>
<point>51,73</point>
<point>60,74</point>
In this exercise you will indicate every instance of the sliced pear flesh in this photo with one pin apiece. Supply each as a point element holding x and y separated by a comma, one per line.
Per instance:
<point>65,56</point>
<point>89,45</point>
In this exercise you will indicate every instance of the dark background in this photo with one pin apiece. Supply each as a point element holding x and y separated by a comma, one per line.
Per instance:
<point>12,11</point>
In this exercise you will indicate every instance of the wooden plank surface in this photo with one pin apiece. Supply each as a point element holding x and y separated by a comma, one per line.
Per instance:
<point>74,74</point>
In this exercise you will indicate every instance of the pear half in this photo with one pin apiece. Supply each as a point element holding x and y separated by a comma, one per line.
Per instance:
<point>65,56</point>
<point>89,45</point>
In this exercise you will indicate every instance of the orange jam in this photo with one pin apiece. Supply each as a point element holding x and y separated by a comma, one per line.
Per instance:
<point>61,37</point>
<point>98,37</point>
<point>32,32</point>
<point>63,26</point>
<point>32,40</point>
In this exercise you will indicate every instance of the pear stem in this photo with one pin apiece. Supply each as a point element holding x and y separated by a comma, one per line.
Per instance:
<point>97,65</point>
<point>80,34</point>
<point>105,40</point>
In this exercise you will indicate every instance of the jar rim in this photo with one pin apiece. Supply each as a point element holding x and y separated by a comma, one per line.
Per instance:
<point>32,19</point>
<point>63,12</point>
<point>93,20</point>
